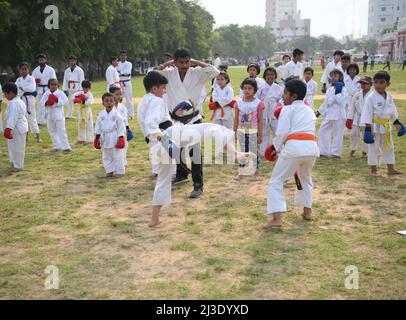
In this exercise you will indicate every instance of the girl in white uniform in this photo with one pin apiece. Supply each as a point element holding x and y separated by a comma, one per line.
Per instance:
<point>222,102</point>
<point>85,117</point>
<point>55,100</point>
<point>110,133</point>
<point>16,127</point>
<point>312,86</point>
<point>351,81</point>
<point>333,111</point>
<point>270,94</point>
<point>295,142</point>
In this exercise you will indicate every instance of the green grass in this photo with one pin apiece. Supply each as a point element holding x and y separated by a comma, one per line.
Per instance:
<point>62,211</point>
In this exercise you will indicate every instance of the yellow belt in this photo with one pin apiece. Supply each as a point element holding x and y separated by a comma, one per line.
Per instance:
<point>386,124</point>
<point>83,114</point>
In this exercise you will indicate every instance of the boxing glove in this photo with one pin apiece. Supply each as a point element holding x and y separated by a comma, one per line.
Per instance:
<point>270,153</point>
<point>96,143</point>
<point>77,100</point>
<point>8,133</point>
<point>120,143</point>
<point>278,110</point>
<point>369,136</point>
<point>130,135</point>
<point>348,124</point>
<point>402,129</point>
<point>37,80</point>
<point>339,87</point>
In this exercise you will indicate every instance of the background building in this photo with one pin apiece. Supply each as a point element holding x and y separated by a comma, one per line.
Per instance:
<point>384,15</point>
<point>285,21</point>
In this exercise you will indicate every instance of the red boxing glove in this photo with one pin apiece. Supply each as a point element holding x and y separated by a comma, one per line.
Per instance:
<point>121,143</point>
<point>278,110</point>
<point>8,133</point>
<point>83,97</point>
<point>212,106</point>
<point>37,80</point>
<point>348,124</point>
<point>96,144</point>
<point>270,153</point>
<point>52,99</point>
<point>77,100</point>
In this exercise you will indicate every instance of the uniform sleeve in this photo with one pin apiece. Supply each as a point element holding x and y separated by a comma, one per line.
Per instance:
<point>325,77</point>
<point>283,129</point>
<point>395,114</point>
<point>81,78</point>
<point>120,126</point>
<point>65,81</point>
<point>62,100</point>
<point>352,107</point>
<point>53,74</point>
<point>208,73</point>
<point>44,98</point>
<point>89,100</point>
<point>12,115</point>
<point>152,119</point>
<point>30,85</point>
<point>97,128</point>
<point>367,112</point>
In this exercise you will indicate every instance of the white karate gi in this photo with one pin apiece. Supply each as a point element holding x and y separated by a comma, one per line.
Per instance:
<point>72,83</point>
<point>312,88</point>
<point>224,97</point>
<point>110,126</point>
<point>282,71</point>
<point>330,67</point>
<point>85,119</point>
<point>333,111</point>
<point>124,70</point>
<point>270,96</point>
<point>293,69</point>
<point>56,120</point>
<point>44,75</point>
<point>377,107</point>
<point>112,77</point>
<point>27,86</point>
<point>16,121</point>
<point>152,112</point>
<point>190,88</point>
<point>352,87</point>
<point>122,110</point>
<point>354,114</point>
<point>294,156</point>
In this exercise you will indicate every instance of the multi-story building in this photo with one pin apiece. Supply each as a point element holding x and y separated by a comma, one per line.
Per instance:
<point>384,15</point>
<point>285,21</point>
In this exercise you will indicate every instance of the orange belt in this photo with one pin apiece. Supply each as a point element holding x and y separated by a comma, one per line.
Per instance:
<point>301,137</point>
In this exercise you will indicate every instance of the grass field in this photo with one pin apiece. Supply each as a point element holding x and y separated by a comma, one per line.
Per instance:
<point>62,211</point>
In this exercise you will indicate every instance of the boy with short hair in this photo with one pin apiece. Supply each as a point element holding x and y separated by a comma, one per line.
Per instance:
<point>378,114</point>
<point>110,132</point>
<point>55,100</point>
<point>85,117</point>
<point>312,86</point>
<point>295,143</point>
<point>72,83</point>
<point>356,107</point>
<point>295,68</point>
<point>335,64</point>
<point>16,127</point>
<point>112,76</point>
<point>26,91</point>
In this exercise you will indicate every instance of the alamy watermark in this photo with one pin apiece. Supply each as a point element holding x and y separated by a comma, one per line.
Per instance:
<point>52,20</point>
<point>352,281</point>
<point>52,279</point>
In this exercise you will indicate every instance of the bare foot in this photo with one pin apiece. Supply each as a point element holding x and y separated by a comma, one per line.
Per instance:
<point>154,217</point>
<point>352,154</point>
<point>394,173</point>
<point>307,214</point>
<point>238,178</point>
<point>110,175</point>
<point>374,173</point>
<point>153,176</point>
<point>272,224</point>
<point>364,155</point>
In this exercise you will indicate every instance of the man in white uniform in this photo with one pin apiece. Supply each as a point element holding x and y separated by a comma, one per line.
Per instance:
<point>124,70</point>
<point>112,76</point>
<point>42,73</point>
<point>72,83</point>
<point>187,78</point>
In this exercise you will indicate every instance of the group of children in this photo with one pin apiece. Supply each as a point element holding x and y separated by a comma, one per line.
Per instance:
<point>264,107</point>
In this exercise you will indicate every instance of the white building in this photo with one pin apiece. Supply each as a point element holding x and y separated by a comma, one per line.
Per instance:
<point>384,14</point>
<point>285,21</point>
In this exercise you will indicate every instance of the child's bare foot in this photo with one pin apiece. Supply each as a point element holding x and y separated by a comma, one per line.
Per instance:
<point>155,216</point>
<point>352,154</point>
<point>394,173</point>
<point>238,178</point>
<point>274,222</point>
<point>256,177</point>
<point>110,175</point>
<point>307,214</point>
<point>364,155</point>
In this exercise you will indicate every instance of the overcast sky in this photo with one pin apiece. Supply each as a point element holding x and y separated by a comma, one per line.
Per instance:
<point>337,18</point>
